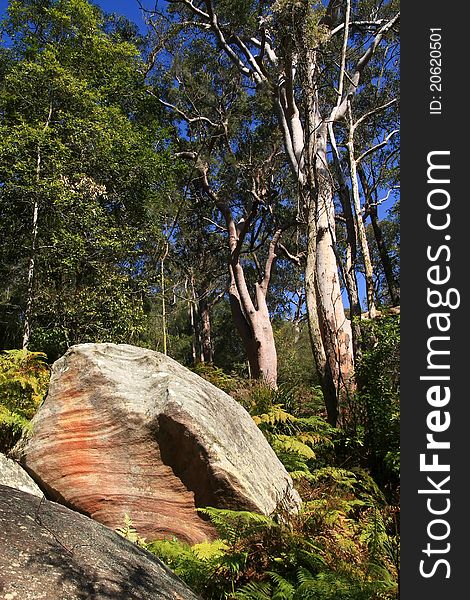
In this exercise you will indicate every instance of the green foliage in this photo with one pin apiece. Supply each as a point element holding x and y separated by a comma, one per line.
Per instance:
<point>129,533</point>
<point>295,439</point>
<point>295,359</point>
<point>24,377</point>
<point>207,568</point>
<point>79,146</point>
<point>320,552</point>
<point>377,409</point>
<point>216,376</point>
<point>324,586</point>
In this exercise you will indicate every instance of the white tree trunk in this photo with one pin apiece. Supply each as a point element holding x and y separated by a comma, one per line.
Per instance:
<point>31,273</point>
<point>361,230</point>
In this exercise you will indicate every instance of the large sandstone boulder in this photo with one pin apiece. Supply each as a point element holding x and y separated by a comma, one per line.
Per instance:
<point>48,552</point>
<point>14,476</point>
<point>128,430</point>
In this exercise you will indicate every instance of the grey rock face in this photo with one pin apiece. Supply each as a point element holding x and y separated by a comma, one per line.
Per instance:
<point>13,475</point>
<point>48,552</point>
<point>128,430</point>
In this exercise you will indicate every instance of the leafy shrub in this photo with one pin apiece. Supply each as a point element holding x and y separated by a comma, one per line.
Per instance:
<point>321,553</point>
<point>24,377</point>
<point>378,401</point>
<point>216,376</point>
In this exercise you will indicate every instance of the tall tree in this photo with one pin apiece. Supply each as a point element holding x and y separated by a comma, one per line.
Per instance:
<point>236,170</point>
<point>78,173</point>
<point>311,63</point>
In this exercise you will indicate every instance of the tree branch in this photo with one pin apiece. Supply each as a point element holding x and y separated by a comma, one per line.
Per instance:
<point>361,64</point>
<point>377,146</point>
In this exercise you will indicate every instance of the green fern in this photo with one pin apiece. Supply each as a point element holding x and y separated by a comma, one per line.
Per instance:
<point>24,377</point>
<point>260,590</point>
<point>232,524</point>
<point>129,533</point>
<point>216,376</point>
<point>210,550</point>
<point>290,443</point>
<point>274,416</point>
<point>283,589</point>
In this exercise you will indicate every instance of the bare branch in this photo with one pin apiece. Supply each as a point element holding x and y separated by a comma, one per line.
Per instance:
<point>373,112</point>
<point>361,64</point>
<point>343,60</point>
<point>295,258</point>
<point>224,229</point>
<point>377,146</point>
<point>188,119</point>
<point>358,24</point>
<point>264,285</point>
<point>192,7</point>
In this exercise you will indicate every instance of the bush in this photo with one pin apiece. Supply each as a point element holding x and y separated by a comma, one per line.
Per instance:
<point>24,377</point>
<point>373,420</point>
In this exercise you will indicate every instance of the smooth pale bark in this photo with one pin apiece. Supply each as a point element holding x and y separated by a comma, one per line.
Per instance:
<point>324,371</point>
<point>361,230</point>
<point>251,315</point>
<point>252,318</point>
<point>371,207</point>
<point>334,326</point>
<point>257,335</point>
<point>31,272</point>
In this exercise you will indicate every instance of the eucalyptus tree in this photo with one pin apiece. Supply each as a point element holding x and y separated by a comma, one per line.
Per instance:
<point>237,167</point>
<point>311,62</point>
<point>79,169</point>
<point>366,149</point>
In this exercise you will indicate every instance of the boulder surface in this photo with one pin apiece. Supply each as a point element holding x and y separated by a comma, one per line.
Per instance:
<point>126,430</point>
<point>13,475</point>
<point>48,552</point>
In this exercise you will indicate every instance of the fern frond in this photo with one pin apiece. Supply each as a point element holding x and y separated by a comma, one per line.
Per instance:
<point>342,477</point>
<point>232,524</point>
<point>129,533</point>
<point>14,421</point>
<point>210,550</point>
<point>254,591</point>
<point>290,443</point>
<point>284,590</point>
<point>276,415</point>
<point>304,575</point>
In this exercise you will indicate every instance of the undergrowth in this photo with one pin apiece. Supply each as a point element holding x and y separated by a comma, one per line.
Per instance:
<point>24,378</point>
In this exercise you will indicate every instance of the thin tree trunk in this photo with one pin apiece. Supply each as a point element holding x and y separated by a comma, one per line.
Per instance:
<point>34,236</point>
<point>162,282</point>
<point>31,274</point>
<point>371,206</point>
<point>361,230</point>
<point>349,268</point>
<point>204,317</point>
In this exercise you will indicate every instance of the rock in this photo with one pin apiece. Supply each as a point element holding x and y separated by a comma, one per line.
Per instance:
<point>50,552</point>
<point>14,476</point>
<point>129,430</point>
